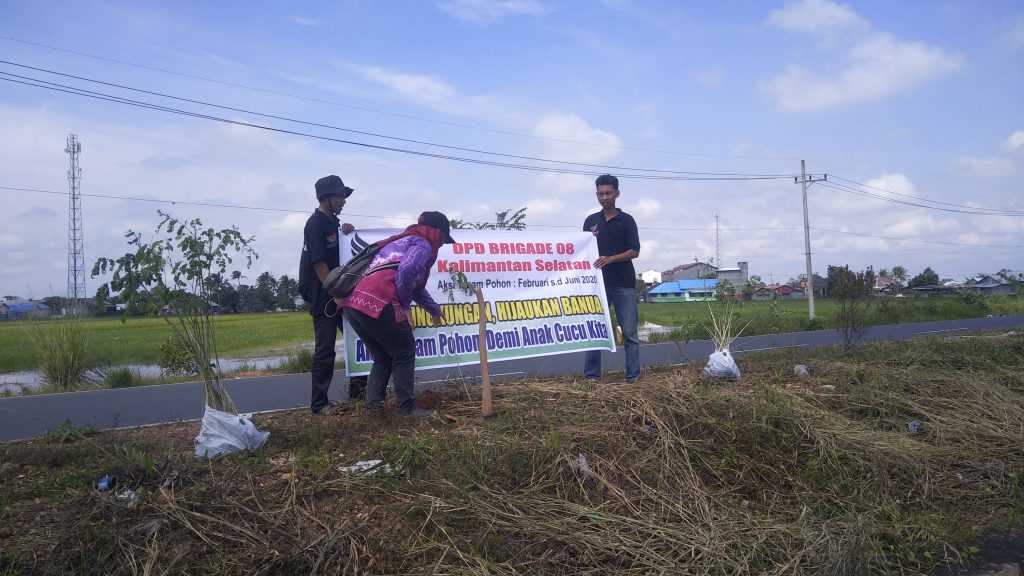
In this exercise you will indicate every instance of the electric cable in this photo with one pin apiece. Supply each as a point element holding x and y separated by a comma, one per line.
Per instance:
<point>360,132</point>
<point>376,111</point>
<point>969,210</point>
<point>147,105</point>
<point>353,214</point>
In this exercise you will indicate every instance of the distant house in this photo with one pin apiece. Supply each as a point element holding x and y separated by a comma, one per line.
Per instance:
<point>820,284</point>
<point>651,277</point>
<point>780,291</point>
<point>691,271</point>
<point>736,276</point>
<point>936,289</point>
<point>10,310</point>
<point>170,309</point>
<point>885,285</point>
<point>992,286</point>
<point>683,291</point>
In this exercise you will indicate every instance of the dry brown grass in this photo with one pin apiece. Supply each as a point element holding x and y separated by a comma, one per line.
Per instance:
<point>774,475</point>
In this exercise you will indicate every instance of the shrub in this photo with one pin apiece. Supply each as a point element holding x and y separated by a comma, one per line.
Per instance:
<point>973,300</point>
<point>298,363</point>
<point>122,377</point>
<point>63,353</point>
<point>850,291</point>
<point>1000,305</point>
<point>175,358</point>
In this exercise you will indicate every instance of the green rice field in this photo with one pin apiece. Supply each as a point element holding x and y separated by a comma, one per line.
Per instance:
<point>112,341</point>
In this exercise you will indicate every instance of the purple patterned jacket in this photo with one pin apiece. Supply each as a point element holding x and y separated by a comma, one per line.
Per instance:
<point>399,287</point>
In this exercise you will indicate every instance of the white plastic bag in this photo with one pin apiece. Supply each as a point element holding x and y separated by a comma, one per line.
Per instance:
<point>368,467</point>
<point>721,365</point>
<point>224,433</point>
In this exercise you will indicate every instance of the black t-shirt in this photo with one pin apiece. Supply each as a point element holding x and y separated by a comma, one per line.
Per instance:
<point>319,244</point>
<point>615,236</point>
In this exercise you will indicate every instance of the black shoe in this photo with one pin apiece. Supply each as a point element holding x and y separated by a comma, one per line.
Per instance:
<point>419,413</point>
<point>357,388</point>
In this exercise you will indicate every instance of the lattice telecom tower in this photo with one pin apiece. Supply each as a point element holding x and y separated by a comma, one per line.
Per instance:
<point>76,252</point>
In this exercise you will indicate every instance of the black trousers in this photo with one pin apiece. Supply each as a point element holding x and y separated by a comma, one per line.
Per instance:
<point>394,356</point>
<point>325,334</point>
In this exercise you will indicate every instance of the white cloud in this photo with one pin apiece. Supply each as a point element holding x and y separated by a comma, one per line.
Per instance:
<point>433,92</point>
<point>644,207</point>
<point>544,209</point>
<point>984,167</point>
<point>550,182</point>
<point>568,137</point>
<point>309,22</point>
<point>1015,141</point>
<point>490,11</point>
<point>710,77</point>
<point>816,16</point>
<point>1015,34</point>
<point>897,183</point>
<point>10,241</point>
<point>878,67</point>
<point>420,86</point>
<point>876,64</point>
<point>920,226</point>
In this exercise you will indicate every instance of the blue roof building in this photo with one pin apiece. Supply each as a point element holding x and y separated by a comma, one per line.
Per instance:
<point>19,310</point>
<point>702,290</point>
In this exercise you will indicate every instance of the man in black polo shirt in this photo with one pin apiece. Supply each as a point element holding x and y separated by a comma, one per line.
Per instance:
<point>618,243</point>
<point>320,255</point>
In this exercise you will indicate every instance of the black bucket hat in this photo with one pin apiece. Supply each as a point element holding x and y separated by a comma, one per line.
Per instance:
<point>332,185</point>
<point>439,221</point>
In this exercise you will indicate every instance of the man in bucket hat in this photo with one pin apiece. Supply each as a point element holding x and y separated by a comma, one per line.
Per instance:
<point>320,255</point>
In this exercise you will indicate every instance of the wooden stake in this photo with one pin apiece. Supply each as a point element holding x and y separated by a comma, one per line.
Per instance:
<point>486,408</point>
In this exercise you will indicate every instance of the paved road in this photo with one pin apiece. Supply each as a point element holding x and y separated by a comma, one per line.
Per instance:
<point>29,416</point>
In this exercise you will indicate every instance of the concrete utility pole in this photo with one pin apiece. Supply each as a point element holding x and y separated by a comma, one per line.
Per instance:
<point>718,243</point>
<point>76,241</point>
<point>804,181</point>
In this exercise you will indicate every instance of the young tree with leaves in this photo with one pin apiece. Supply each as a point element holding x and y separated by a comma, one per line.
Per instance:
<point>177,272</point>
<point>850,292</point>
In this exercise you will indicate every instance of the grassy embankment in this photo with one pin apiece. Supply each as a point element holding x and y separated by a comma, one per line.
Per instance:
<point>791,315</point>
<point>772,475</point>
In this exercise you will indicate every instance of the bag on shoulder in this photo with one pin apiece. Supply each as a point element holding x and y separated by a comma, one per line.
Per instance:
<point>341,281</point>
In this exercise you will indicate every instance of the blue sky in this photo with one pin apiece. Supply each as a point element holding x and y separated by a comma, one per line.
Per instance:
<point>919,102</point>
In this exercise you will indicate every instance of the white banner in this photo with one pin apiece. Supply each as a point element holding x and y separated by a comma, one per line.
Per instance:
<point>542,296</point>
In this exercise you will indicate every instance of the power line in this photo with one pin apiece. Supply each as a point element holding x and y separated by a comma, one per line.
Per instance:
<point>147,105</point>
<point>917,198</point>
<point>380,217</point>
<point>968,209</point>
<point>929,241</point>
<point>376,111</point>
<point>361,132</point>
<point>377,216</point>
<point>833,185</point>
<point>840,187</point>
<point>920,198</point>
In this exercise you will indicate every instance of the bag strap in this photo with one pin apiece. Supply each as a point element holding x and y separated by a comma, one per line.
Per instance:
<point>388,266</point>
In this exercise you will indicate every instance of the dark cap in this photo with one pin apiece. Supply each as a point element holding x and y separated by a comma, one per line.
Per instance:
<point>331,185</point>
<point>439,221</point>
